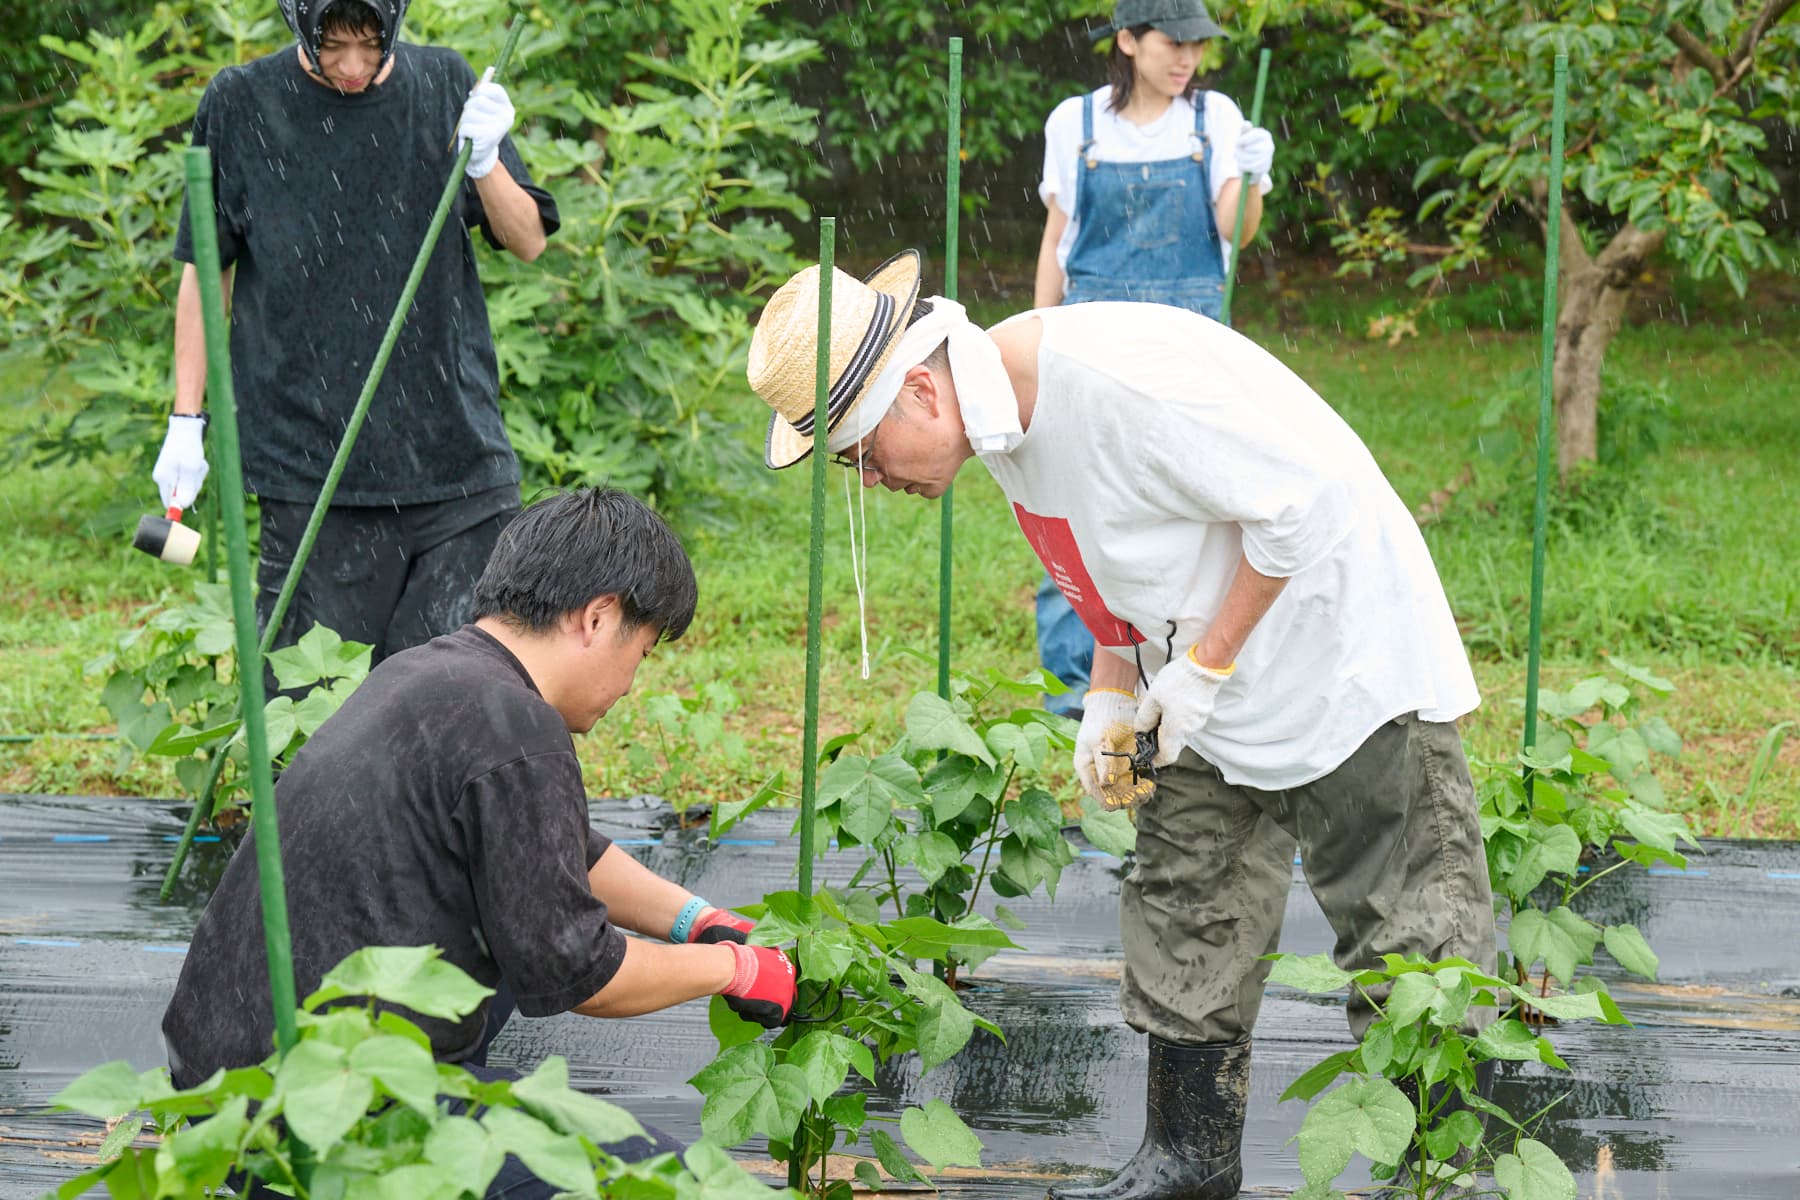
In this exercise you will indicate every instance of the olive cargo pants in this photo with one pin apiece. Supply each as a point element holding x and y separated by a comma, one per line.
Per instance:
<point>1390,844</point>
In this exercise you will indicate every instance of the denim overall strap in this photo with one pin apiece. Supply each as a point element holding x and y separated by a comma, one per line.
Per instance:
<point>1145,231</point>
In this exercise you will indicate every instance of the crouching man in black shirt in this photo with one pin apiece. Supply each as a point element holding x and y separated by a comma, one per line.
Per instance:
<point>443,805</point>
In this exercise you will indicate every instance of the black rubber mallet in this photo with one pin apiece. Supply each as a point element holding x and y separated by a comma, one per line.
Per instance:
<point>167,538</point>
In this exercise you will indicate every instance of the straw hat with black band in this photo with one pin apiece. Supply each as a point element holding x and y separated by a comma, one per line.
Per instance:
<point>867,318</point>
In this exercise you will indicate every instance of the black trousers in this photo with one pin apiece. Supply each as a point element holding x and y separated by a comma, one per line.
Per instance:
<point>392,577</point>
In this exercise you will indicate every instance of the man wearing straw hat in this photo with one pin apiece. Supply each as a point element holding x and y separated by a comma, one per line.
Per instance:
<point>1277,645</point>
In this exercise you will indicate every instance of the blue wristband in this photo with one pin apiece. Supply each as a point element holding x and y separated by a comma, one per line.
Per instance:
<point>679,933</point>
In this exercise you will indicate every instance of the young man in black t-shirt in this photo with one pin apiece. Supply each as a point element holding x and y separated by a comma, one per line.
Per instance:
<point>443,805</point>
<point>329,158</point>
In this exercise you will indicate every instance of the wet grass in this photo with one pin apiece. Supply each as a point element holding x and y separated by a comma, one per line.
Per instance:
<point>1682,565</point>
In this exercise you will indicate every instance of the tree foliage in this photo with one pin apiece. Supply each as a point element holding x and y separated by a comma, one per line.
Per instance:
<point>1664,132</point>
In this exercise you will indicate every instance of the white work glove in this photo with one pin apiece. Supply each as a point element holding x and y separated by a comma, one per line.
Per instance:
<point>1179,704</point>
<point>181,467</point>
<point>1101,710</point>
<point>487,117</point>
<point>1255,151</point>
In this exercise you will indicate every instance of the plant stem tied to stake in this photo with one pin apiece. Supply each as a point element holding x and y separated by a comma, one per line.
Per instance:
<point>1246,182</point>
<point>952,211</point>
<point>1546,397</point>
<point>249,665</point>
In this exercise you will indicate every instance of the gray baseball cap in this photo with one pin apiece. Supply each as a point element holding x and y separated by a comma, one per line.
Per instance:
<point>1183,20</point>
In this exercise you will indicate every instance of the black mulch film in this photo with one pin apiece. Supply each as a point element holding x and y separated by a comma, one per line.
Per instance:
<point>1701,1099</point>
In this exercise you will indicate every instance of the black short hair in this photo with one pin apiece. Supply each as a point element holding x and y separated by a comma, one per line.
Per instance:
<point>352,17</point>
<point>570,549</point>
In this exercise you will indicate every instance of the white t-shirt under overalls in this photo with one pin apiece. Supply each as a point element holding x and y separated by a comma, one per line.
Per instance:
<point>1118,140</point>
<point>1162,445</point>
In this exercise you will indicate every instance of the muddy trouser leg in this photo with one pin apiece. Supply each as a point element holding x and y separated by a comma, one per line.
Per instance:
<point>1205,899</point>
<point>351,582</point>
<point>1391,846</point>
<point>438,595</point>
<point>1202,905</point>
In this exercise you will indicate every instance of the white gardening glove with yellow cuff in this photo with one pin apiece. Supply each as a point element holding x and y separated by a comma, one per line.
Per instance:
<point>1105,712</point>
<point>1179,703</point>
<point>487,118</point>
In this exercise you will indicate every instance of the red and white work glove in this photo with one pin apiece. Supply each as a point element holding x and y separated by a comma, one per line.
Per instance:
<point>1102,711</point>
<point>720,925</point>
<point>1179,703</point>
<point>181,467</point>
<point>763,985</point>
<point>487,117</point>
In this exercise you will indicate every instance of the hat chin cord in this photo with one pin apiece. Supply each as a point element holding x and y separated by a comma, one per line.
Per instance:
<point>859,567</point>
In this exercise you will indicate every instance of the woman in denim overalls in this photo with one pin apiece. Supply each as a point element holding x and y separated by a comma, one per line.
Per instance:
<point>1136,229</point>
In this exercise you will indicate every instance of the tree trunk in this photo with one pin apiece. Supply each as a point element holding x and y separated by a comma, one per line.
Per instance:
<point>1591,291</point>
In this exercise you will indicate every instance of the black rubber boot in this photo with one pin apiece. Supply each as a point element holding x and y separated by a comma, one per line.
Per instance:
<point>1402,1186</point>
<point>1193,1127</point>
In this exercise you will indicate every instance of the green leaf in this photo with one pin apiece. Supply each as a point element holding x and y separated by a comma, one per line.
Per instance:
<point>1035,816</point>
<point>850,1111</point>
<point>933,724</point>
<point>1315,973</point>
<point>939,1136</point>
<point>943,1029</point>
<point>935,853</point>
<point>1367,1116</point>
<point>319,655</point>
<point>179,741</point>
<point>403,1070</point>
<point>1534,1173</point>
<point>748,1092</point>
<point>556,1158</point>
<point>113,1089</point>
<point>1513,1040</point>
<point>320,1096</point>
<point>1631,951</point>
<point>200,1156</point>
<point>1562,938</point>
<point>1110,831</point>
<point>414,977</point>
<point>868,1175</point>
<point>1658,829</point>
<point>724,816</point>
<point>1320,1076</point>
<point>729,1028</point>
<point>892,1160</point>
<point>825,1059</point>
<point>546,1095</point>
<point>464,1146</point>
<point>927,937</point>
<point>121,1137</point>
<point>866,792</point>
<point>1552,848</point>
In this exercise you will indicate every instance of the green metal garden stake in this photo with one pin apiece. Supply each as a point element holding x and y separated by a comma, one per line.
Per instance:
<point>1237,233</point>
<point>815,602</point>
<point>952,211</point>
<point>204,803</point>
<point>222,402</point>
<point>815,584</point>
<point>1546,400</point>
